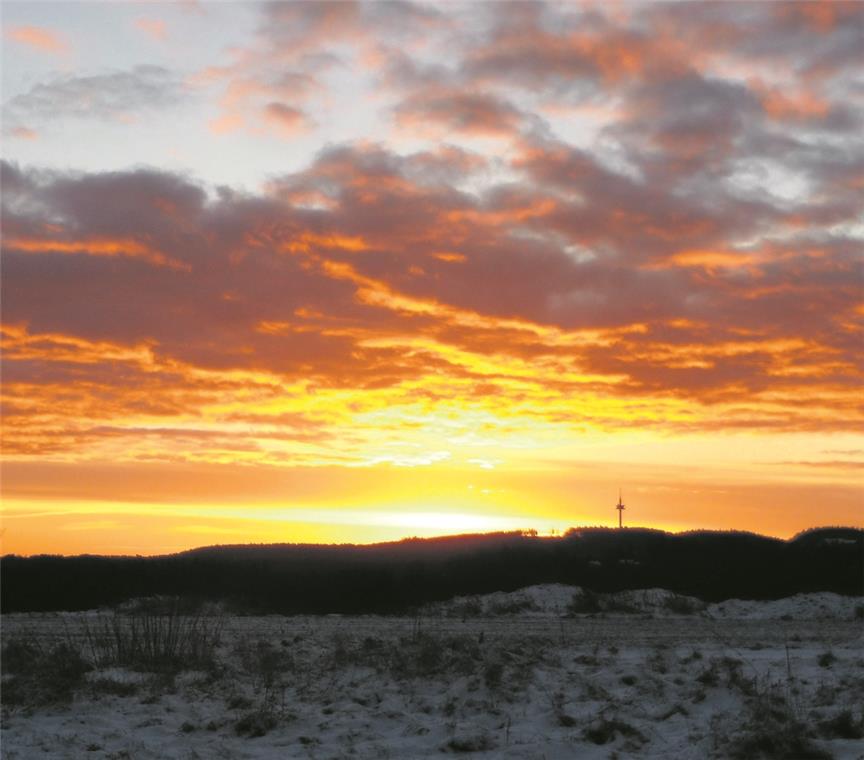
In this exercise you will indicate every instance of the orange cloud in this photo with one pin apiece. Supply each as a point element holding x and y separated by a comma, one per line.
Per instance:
<point>157,29</point>
<point>24,133</point>
<point>94,247</point>
<point>287,120</point>
<point>781,104</point>
<point>38,38</point>
<point>660,273</point>
<point>477,114</point>
<point>226,124</point>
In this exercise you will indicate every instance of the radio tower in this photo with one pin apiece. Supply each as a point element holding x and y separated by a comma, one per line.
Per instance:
<point>620,507</point>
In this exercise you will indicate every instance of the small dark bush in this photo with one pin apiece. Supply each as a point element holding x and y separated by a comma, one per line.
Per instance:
<point>771,730</point>
<point>20,656</point>
<point>426,655</point>
<point>512,607</point>
<point>584,602</point>
<point>256,723</point>
<point>605,731</point>
<point>264,662</point>
<point>113,688</point>
<point>774,744</point>
<point>708,677</point>
<point>493,672</point>
<point>827,659</point>
<point>238,702</point>
<point>471,743</point>
<point>842,726</point>
<point>682,605</point>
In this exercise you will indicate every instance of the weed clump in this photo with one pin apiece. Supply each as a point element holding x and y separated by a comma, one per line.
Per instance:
<point>264,662</point>
<point>41,676</point>
<point>480,742</point>
<point>772,730</point>
<point>842,726</point>
<point>112,688</point>
<point>426,655</point>
<point>605,730</point>
<point>256,723</point>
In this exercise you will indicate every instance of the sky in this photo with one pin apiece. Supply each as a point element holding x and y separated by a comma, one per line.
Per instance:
<point>350,272</point>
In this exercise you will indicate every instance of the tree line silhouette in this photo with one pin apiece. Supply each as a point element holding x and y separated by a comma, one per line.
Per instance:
<point>395,577</point>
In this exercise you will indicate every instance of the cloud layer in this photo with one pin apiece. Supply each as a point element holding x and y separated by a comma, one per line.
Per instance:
<point>563,220</point>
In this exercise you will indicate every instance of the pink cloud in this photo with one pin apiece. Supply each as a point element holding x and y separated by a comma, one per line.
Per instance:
<point>226,124</point>
<point>24,133</point>
<point>470,113</point>
<point>155,28</point>
<point>38,38</point>
<point>287,120</point>
<point>249,101</point>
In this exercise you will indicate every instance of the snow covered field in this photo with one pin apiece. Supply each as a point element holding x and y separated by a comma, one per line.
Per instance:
<point>546,672</point>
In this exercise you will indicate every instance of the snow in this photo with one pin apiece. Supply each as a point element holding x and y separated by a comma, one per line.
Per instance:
<point>505,675</point>
<point>556,599</point>
<point>821,606</point>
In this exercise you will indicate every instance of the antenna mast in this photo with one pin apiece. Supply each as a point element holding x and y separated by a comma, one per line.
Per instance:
<point>620,507</point>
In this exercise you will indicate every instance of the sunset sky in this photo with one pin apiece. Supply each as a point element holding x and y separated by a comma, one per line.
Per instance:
<point>359,271</point>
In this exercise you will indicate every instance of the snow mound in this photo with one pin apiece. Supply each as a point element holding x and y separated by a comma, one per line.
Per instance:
<point>659,602</point>
<point>559,600</point>
<point>546,599</point>
<point>817,606</point>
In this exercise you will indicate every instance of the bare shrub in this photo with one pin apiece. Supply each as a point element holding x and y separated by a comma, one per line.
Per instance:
<point>771,729</point>
<point>264,662</point>
<point>153,640</point>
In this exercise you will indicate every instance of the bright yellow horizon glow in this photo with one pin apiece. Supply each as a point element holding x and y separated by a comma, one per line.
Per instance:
<point>62,509</point>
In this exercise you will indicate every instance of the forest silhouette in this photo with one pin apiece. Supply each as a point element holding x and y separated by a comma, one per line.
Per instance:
<point>396,577</point>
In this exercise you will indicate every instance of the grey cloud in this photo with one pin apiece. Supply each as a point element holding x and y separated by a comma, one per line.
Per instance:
<point>100,96</point>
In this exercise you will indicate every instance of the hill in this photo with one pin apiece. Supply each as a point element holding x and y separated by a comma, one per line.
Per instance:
<point>393,577</point>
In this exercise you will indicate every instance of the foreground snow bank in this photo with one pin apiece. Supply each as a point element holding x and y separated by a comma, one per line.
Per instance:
<point>526,677</point>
